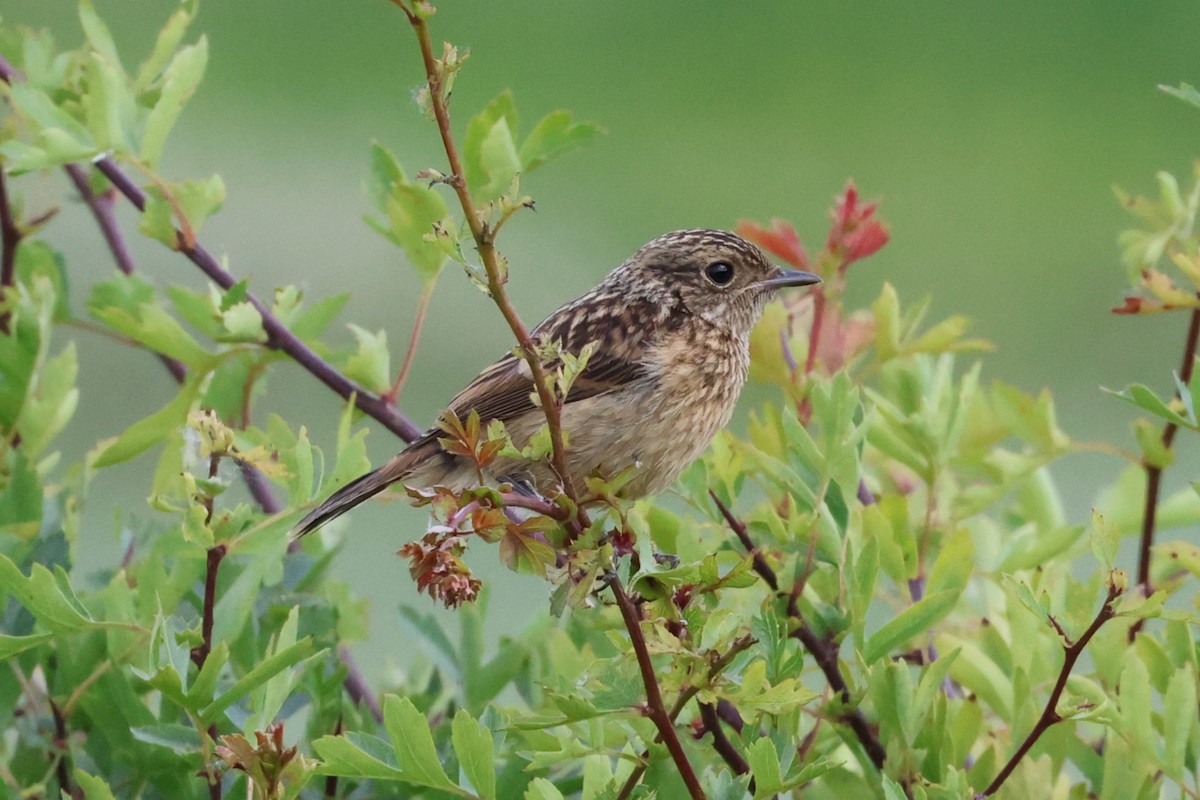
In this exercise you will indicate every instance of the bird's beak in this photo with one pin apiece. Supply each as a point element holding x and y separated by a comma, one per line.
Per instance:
<point>789,277</point>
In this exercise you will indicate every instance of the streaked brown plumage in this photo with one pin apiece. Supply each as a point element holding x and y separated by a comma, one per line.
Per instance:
<point>672,329</point>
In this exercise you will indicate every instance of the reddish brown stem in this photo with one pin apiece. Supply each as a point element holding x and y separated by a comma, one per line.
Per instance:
<point>1154,473</point>
<point>814,337</point>
<point>10,239</point>
<point>725,749</point>
<point>278,335</point>
<point>393,394</point>
<point>823,651</point>
<point>200,652</point>
<point>485,245</point>
<point>62,768</point>
<point>356,685</point>
<point>101,206</point>
<point>656,708</point>
<point>1050,714</point>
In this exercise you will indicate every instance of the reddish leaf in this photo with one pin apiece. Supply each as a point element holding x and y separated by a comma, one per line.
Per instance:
<point>856,232</point>
<point>781,240</point>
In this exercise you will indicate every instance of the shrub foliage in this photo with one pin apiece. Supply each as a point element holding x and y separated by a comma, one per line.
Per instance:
<point>875,593</point>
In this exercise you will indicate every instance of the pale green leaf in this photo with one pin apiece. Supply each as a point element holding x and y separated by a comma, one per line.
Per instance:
<point>356,755</point>
<point>179,83</point>
<point>473,745</point>
<point>554,135</point>
<point>144,434</point>
<point>415,751</point>
<point>917,618</point>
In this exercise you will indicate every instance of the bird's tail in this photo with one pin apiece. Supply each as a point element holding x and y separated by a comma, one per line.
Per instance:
<point>365,487</point>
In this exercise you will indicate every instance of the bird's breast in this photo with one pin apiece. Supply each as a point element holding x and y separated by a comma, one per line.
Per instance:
<point>662,422</point>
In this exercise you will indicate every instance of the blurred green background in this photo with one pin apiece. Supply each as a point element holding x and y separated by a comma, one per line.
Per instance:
<point>993,134</point>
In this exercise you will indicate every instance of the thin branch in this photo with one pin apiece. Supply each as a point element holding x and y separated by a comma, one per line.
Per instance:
<point>485,245</point>
<point>716,667</point>
<point>102,209</point>
<point>62,766</point>
<point>739,530</point>
<point>725,749</point>
<point>10,239</point>
<point>1050,715</point>
<point>414,339</point>
<point>101,206</point>
<point>278,335</point>
<point>356,685</point>
<point>656,708</point>
<point>823,651</point>
<point>1154,473</point>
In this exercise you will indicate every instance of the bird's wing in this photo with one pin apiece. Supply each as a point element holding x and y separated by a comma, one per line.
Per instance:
<point>622,331</point>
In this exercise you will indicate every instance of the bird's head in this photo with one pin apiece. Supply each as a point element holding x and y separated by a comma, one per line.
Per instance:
<point>716,275</point>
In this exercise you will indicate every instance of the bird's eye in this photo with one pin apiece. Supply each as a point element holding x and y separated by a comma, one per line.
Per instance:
<point>720,272</point>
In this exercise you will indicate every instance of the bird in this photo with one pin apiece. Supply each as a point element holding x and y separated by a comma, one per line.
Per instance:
<point>670,330</point>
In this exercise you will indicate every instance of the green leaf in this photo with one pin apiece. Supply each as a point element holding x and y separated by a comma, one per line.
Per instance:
<point>197,200</point>
<point>243,323</point>
<point>126,304</point>
<point>542,789</point>
<point>266,702</point>
<point>356,755</point>
<point>12,645</point>
<point>97,33</point>
<point>480,127</point>
<point>179,83</point>
<point>109,105</point>
<point>554,135</point>
<point>200,693</point>
<point>411,212</point>
<point>413,742</point>
<point>917,618</point>
<point>473,745</point>
<point>499,159</point>
<point>1179,721</point>
<point>144,434</point>
<point>764,765</point>
<point>21,501</point>
<point>1144,398</point>
<point>312,320</point>
<point>1136,705</point>
<point>165,45</point>
<point>1185,92</point>
<point>1105,539</point>
<point>51,402</point>
<point>261,673</point>
<point>370,365</point>
<point>93,788</point>
<point>175,737</point>
<point>43,595</point>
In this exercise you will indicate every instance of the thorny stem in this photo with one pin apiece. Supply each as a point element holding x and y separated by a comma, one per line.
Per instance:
<point>485,245</point>
<point>1154,473</point>
<point>656,708</point>
<point>1050,715</point>
<point>413,339</point>
<point>823,651</point>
